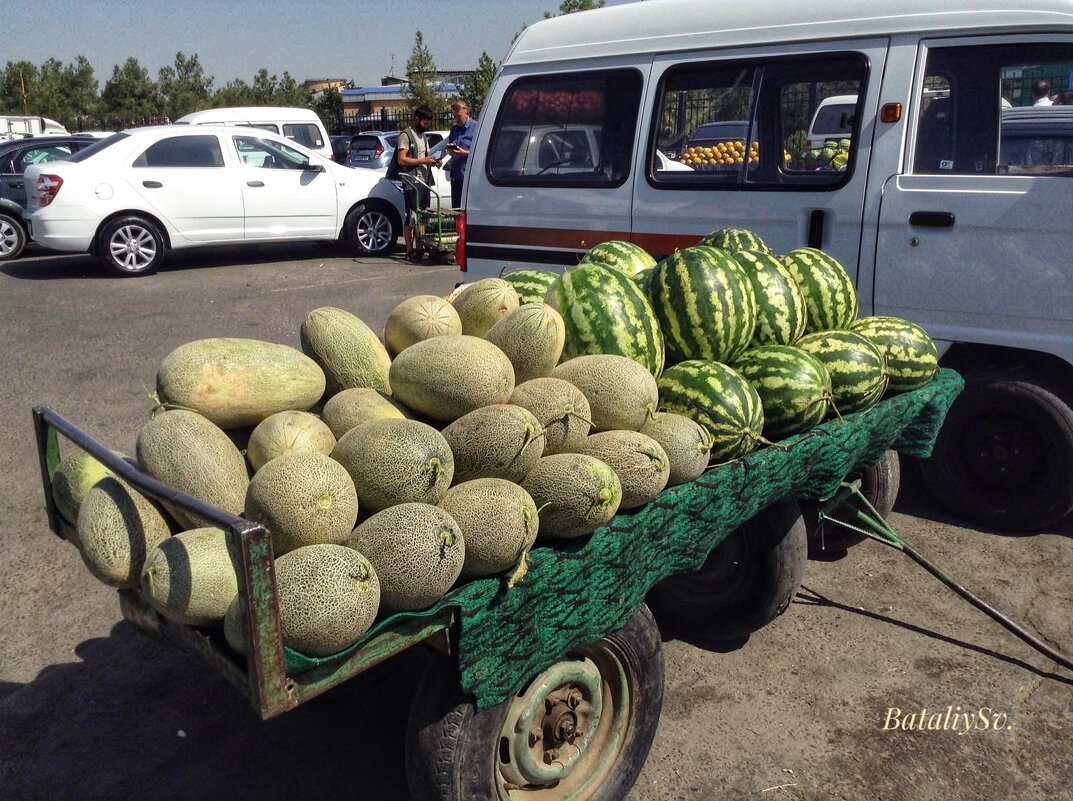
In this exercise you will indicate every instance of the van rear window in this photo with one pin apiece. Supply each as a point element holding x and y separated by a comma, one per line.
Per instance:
<point>305,134</point>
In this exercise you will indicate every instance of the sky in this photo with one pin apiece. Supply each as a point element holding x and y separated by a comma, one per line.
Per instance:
<point>356,40</point>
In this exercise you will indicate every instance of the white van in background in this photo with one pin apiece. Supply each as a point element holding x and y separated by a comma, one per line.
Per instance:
<point>20,126</point>
<point>930,214</point>
<point>301,125</point>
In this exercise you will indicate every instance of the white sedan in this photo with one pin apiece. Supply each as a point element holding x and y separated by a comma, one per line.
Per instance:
<point>137,194</point>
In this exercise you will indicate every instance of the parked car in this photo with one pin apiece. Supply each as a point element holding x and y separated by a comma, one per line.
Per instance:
<point>15,156</point>
<point>833,121</point>
<point>300,125</point>
<point>340,149</point>
<point>1037,140</point>
<point>136,195</point>
<point>372,150</point>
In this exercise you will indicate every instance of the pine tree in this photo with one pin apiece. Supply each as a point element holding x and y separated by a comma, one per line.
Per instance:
<point>423,86</point>
<point>475,92</point>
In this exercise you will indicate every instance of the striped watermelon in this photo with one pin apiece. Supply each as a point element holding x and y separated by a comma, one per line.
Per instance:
<point>704,303</point>
<point>829,294</point>
<point>780,307</point>
<point>910,353</point>
<point>641,278</point>
<point>620,255</point>
<point>531,285</point>
<point>734,239</point>
<point>719,399</point>
<point>604,311</point>
<point>794,387</point>
<point>857,369</point>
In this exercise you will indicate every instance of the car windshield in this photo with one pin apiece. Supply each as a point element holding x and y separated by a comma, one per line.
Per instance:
<point>98,146</point>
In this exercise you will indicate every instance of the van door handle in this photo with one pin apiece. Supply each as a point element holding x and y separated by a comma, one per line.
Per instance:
<point>932,219</point>
<point>815,229</point>
<point>152,184</point>
<point>255,183</point>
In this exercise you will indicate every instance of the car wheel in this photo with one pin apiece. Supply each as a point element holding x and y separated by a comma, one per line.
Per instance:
<point>370,230</point>
<point>131,246</point>
<point>12,238</point>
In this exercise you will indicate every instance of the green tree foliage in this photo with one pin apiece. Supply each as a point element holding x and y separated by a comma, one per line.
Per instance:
<point>329,107</point>
<point>571,6</point>
<point>423,78</point>
<point>130,97</point>
<point>184,87</point>
<point>80,92</point>
<point>234,93</point>
<point>19,88</point>
<point>477,85</point>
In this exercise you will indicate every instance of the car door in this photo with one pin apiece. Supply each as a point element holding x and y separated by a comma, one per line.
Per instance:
<point>185,180</point>
<point>14,164</point>
<point>283,197</point>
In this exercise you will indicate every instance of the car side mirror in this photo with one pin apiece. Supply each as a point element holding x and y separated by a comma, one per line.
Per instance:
<point>314,167</point>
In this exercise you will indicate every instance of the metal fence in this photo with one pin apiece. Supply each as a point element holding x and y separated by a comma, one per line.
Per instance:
<point>391,120</point>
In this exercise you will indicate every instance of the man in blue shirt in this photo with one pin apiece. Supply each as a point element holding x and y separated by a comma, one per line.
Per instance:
<point>459,142</point>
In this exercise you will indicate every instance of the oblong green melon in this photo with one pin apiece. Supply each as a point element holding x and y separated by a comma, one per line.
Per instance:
<point>484,303</point>
<point>190,578</point>
<point>621,393</point>
<point>352,407</point>
<point>496,441</point>
<point>117,529</point>
<point>910,354</point>
<point>531,285</point>
<point>856,366</point>
<point>830,297</point>
<point>687,444</point>
<point>346,348</point>
<point>641,464</point>
<point>561,409</point>
<point>498,520</point>
<point>734,239</point>
<point>794,387</point>
<point>575,493</point>
<point>781,314</point>
<point>620,255</point>
<point>288,432</point>
<point>76,473</point>
<point>532,336</point>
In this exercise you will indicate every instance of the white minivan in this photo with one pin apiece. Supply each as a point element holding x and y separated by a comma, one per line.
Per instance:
<point>301,125</point>
<point>930,215</point>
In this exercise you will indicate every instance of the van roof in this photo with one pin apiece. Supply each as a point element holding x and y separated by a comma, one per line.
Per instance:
<point>676,25</point>
<point>250,114</point>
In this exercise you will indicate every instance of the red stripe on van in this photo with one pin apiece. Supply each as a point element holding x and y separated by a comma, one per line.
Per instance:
<point>660,244</point>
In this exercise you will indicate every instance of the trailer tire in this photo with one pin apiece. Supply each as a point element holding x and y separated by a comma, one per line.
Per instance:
<point>879,484</point>
<point>747,580</point>
<point>456,752</point>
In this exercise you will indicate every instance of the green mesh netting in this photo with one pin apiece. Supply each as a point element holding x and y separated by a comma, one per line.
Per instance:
<point>578,591</point>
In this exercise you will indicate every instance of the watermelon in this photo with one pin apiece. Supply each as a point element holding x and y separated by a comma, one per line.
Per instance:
<point>857,369</point>
<point>780,307</point>
<point>910,353</point>
<point>604,311</point>
<point>794,387</point>
<point>531,285</point>
<point>619,255</point>
<point>734,239</point>
<point>830,297</point>
<point>720,400</point>
<point>704,303</point>
<point>641,278</point>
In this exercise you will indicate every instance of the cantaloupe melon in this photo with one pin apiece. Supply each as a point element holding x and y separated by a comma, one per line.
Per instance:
<point>190,578</point>
<point>302,499</point>
<point>190,454</point>
<point>328,597</point>
<point>236,626</point>
<point>238,382</point>
<point>498,520</point>
<point>346,348</point>
<point>417,319</point>
<point>75,474</point>
<point>288,432</point>
<point>117,528</point>
<point>561,409</point>
<point>621,393</point>
<point>639,462</point>
<point>483,304</point>
<point>687,444</point>
<point>396,461</point>
<point>576,494</point>
<point>417,551</point>
<point>446,377</point>
<point>352,407</point>
<point>497,441</point>
<point>532,336</point>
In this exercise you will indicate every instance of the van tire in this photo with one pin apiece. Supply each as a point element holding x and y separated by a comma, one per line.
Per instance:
<point>131,245</point>
<point>1004,457</point>
<point>370,230</point>
<point>12,237</point>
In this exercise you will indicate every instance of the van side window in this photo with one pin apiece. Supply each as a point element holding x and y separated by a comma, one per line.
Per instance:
<point>566,129</point>
<point>305,134</point>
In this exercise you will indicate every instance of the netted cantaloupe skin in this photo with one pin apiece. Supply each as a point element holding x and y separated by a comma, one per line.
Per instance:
<point>288,432</point>
<point>561,408</point>
<point>532,336</point>
<point>238,382</point>
<point>687,445</point>
<point>352,407</point>
<point>497,441</point>
<point>621,393</point>
<point>498,520</point>
<point>576,494</point>
<point>417,319</point>
<point>302,499</point>
<point>396,461</point>
<point>350,353</point>
<point>484,303</point>
<point>417,551</point>
<point>76,473</point>
<point>639,461</point>
<point>190,578</point>
<point>328,597</point>
<point>191,454</point>
<point>117,529</point>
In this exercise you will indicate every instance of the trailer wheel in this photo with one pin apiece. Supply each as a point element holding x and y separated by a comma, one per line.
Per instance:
<point>580,730</point>
<point>879,484</point>
<point>746,582</point>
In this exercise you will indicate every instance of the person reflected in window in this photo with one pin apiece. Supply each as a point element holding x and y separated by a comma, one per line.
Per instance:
<point>459,143</point>
<point>1041,93</point>
<point>1064,98</point>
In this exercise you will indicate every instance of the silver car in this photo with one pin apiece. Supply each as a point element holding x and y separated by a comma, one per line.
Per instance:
<point>372,149</point>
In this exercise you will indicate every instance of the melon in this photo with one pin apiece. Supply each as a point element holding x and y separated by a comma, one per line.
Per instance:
<point>417,319</point>
<point>484,303</point>
<point>190,578</point>
<point>189,453</point>
<point>288,432</point>
<point>238,382</point>
<point>532,336</point>
<point>446,377</point>
<point>303,499</point>
<point>639,461</point>
<point>236,625</point>
<point>687,444</point>
<point>621,393</point>
<point>396,461</point>
<point>346,348</point>
<point>75,475</point>
<point>417,551</point>
<point>497,441</point>
<point>117,528</point>
<point>575,493</point>
<point>560,408</point>
<point>352,407</point>
<point>498,520</point>
<point>328,597</point>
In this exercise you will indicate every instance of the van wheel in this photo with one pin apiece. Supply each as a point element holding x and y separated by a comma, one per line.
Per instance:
<point>1004,456</point>
<point>12,237</point>
<point>879,484</point>
<point>131,246</point>
<point>369,230</point>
